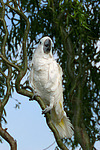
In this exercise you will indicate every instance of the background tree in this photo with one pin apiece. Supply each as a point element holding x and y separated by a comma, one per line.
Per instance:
<point>74,28</point>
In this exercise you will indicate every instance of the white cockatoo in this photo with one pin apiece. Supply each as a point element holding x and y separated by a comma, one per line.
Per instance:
<point>46,80</point>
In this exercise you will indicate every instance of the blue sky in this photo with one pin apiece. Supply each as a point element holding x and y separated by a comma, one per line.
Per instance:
<point>27,125</point>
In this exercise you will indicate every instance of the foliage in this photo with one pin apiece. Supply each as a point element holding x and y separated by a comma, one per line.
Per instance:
<point>74,28</point>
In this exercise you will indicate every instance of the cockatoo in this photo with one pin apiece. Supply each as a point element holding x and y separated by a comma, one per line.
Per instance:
<point>46,80</point>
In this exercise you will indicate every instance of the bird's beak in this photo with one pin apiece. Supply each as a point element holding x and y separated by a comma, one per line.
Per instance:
<point>47,46</point>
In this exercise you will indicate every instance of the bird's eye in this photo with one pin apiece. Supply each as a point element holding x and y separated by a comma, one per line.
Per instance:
<point>40,42</point>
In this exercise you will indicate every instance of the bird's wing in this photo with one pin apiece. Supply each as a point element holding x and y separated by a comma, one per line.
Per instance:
<point>31,77</point>
<point>54,76</point>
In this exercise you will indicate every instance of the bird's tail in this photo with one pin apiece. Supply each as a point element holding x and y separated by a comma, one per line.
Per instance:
<point>64,127</point>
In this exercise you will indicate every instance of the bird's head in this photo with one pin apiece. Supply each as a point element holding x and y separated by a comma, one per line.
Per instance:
<point>46,44</point>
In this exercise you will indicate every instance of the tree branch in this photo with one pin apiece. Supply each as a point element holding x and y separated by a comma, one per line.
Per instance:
<point>50,124</point>
<point>9,63</point>
<point>3,57</point>
<point>5,135</point>
<point>5,28</point>
<point>8,93</point>
<point>80,131</point>
<point>68,46</point>
<point>3,73</point>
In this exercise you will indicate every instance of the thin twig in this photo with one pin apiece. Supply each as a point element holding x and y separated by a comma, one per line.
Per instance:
<point>49,146</point>
<point>3,73</point>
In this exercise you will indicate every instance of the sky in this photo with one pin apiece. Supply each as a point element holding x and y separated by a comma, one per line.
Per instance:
<point>27,125</point>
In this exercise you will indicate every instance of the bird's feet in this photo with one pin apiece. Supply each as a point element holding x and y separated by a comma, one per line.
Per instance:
<point>35,94</point>
<point>47,109</point>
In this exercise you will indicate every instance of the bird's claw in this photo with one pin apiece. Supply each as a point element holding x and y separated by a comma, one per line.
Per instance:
<point>44,111</point>
<point>34,96</point>
<point>47,109</point>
